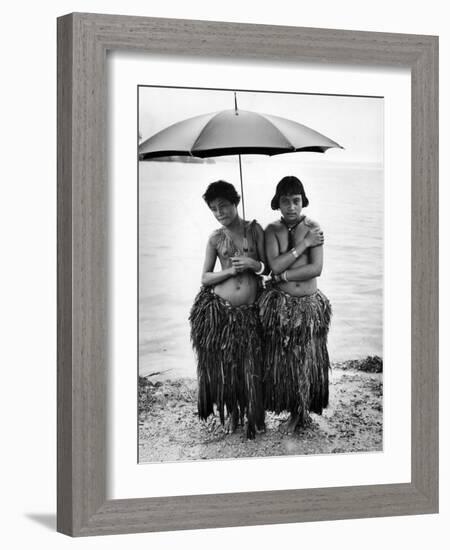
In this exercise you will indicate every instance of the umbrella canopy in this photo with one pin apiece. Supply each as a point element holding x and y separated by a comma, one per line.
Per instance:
<point>234,132</point>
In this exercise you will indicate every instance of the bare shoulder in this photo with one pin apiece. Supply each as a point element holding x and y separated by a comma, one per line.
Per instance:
<point>273,227</point>
<point>257,227</point>
<point>214,238</point>
<point>310,223</point>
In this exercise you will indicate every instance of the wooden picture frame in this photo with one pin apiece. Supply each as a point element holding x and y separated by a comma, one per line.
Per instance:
<point>83,41</point>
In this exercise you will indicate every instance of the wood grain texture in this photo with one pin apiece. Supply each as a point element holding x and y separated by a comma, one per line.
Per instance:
<point>83,318</point>
<point>64,295</point>
<point>82,274</point>
<point>425,272</point>
<point>257,508</point>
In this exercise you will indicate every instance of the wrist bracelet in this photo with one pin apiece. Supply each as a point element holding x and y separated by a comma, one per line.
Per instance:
<point>294,252</point>
<point>261,270</point>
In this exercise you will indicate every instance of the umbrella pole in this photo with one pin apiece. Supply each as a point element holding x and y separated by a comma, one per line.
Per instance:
<point>245,243</point>
<point>242,188</point>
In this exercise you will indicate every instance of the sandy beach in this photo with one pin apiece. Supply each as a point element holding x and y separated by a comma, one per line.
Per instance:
<point>169,428</point>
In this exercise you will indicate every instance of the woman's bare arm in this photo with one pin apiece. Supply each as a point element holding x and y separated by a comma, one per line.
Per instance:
<point>242,263</point>
<point>312,269</point>
<point>281,262</point>
<point>209,277</point>
<point>260,243</point>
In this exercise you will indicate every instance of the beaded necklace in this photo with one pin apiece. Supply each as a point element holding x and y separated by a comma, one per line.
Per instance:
<point>291,230</point>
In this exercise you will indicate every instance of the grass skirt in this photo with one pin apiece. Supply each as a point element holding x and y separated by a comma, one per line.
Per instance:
<point>296,361</point>
<point>227,342</point>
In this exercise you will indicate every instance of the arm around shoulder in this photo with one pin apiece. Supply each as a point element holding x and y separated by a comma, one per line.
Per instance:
<point>312,224</point>
<point>280,262</point>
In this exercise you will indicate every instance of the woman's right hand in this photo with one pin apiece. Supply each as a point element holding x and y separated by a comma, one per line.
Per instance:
<point>314,237</point>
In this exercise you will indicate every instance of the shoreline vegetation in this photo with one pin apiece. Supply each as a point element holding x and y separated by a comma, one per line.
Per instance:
<point>170,430</point>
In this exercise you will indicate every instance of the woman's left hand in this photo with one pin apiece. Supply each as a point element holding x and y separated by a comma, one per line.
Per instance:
<point>241,263</point>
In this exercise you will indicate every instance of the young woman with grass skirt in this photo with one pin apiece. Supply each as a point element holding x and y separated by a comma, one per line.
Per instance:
<point>225,327</point>
<point>294,314</point>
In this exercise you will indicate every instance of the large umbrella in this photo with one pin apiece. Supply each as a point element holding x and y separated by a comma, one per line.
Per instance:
<point>234,132</point>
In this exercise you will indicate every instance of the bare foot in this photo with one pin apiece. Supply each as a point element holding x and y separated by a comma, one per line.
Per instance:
<point>307,422</point>
<point>294,422</point>
<point>251,431</point>
<point>260,423</point>
<point>232,422</point>
<point>214,425</point>
<point>261,429</point>
<point>290,425</point>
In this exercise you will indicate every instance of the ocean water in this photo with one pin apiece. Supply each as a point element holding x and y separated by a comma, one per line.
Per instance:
<point>174,225</point>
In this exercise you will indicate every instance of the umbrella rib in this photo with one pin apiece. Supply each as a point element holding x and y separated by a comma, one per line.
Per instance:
<point>279,131</point>
<point>213,115</point>
<point>317,149</point>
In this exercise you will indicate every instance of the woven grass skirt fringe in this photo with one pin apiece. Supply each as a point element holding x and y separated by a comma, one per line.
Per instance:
<point>296,361</point>
<point>227,342</point>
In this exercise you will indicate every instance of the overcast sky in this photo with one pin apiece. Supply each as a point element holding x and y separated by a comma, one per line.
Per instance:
<point>356,123</point>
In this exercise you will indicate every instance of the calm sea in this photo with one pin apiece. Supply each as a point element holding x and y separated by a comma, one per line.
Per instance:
<point>174,224</point>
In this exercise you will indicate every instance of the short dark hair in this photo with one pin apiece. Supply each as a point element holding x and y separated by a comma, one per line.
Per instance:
<point>223,190</point>
<point>289,185</point>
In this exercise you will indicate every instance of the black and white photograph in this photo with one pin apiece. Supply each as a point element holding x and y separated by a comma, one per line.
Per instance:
<point>260,273</point>
<point>223,239</point>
